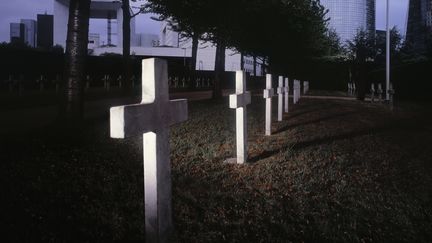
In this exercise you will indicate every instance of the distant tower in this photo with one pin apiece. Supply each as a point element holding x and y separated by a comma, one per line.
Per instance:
<point>30,30</point>
<point>45,33</point>
<point>419,24</point>
<point>17,32</point>
<point>348,16</point>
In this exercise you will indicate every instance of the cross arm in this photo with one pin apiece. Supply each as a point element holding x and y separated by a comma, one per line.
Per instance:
<point>268,93</point>
<point>131,120</point>
<point>240,100</point>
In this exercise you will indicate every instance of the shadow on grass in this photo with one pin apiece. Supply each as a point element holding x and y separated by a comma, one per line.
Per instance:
<point>296,114</point>
<point>285,128</point>
<point>329,139</point>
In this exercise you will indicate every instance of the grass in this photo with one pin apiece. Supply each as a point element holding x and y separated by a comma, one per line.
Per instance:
<point>333,171</point>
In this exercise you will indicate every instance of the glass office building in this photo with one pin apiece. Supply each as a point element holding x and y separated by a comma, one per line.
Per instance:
<point>348,16</point>
<point>419,24</point>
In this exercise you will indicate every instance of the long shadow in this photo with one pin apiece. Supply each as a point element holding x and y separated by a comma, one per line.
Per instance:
<point>330,139</point>
<point>285,128</point>
<point>296,114</point>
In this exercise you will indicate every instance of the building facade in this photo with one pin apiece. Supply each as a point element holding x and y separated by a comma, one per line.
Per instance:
<point>349,16</point>
<point>17,32</point>
<point>419,24</point>
<point>45,30</point>
<point>206,54</point>
<point>30,32</point>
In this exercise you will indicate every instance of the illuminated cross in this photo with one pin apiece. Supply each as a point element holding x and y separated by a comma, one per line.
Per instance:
<point>268,94</point>
<point>239,101</point>
<point>152,118</point>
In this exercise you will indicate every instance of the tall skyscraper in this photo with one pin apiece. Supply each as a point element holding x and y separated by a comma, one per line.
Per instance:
<point>45,32</point>
<point>349,16</point>
<point>419,24</point>
<point>30,27</point>
<point>17,32</point>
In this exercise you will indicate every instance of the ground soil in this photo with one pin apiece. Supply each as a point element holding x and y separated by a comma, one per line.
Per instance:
<point>333,171</point>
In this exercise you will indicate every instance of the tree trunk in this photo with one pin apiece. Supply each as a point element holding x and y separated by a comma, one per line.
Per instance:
<point>219,70</point>
<point>254,66</point>
<point>195,39</point>
<point>127,69</point>
<point>241,61</point>
<point>76,52</point>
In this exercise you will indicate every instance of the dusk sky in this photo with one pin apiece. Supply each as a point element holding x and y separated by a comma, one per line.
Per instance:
<point>13,11</point>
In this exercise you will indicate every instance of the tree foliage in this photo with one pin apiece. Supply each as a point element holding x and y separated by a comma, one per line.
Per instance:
<point>334,43</point>
<point>277,29</point>
<point>362,47</point>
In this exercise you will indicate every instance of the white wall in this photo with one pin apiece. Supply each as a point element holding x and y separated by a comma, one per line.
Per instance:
<point>61,15</point>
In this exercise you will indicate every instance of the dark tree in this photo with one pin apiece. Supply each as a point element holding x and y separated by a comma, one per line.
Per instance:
<point>281,31</point>
<point>76,52</point>
<point>395,46</point>
<point>362,47</point>
<point>362,52</point>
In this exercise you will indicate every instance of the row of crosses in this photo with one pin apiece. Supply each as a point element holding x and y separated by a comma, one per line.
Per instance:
<point>152,118</point>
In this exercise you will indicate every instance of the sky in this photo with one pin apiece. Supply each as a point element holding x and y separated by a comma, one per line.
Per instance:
<point>14,11</point>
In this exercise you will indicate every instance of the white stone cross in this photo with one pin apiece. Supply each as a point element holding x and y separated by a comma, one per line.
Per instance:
<point>380,91</point>
<point>305,87</point>
<point>280,98</point>
<point>295,91</point>
<point>41,81</point>
<point>286,90</point>
<point>391,92</point>
<point>268,94</point>
<point>239,101</point>
<point>298,90</point>
<point>152,118</point>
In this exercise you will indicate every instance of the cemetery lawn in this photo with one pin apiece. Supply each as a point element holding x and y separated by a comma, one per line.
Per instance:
<point>333,171</point>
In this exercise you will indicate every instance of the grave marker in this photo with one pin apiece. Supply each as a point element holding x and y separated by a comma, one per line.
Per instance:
<point>298,90</point>
<point>391,92</point>
<point>40,81</point>
<point>372,93</point>
<point>152,118</point>
<point>280,98</point>
<point>107,80</point>
<point>295,91</point>
<point>119,79</point>
<point>87,86</point>
<point>305,87</point>
<point>380,91</point>
<point>286,90</point>
<point>268,94</point>
<point>239,101</point>
<point>183,82</point>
